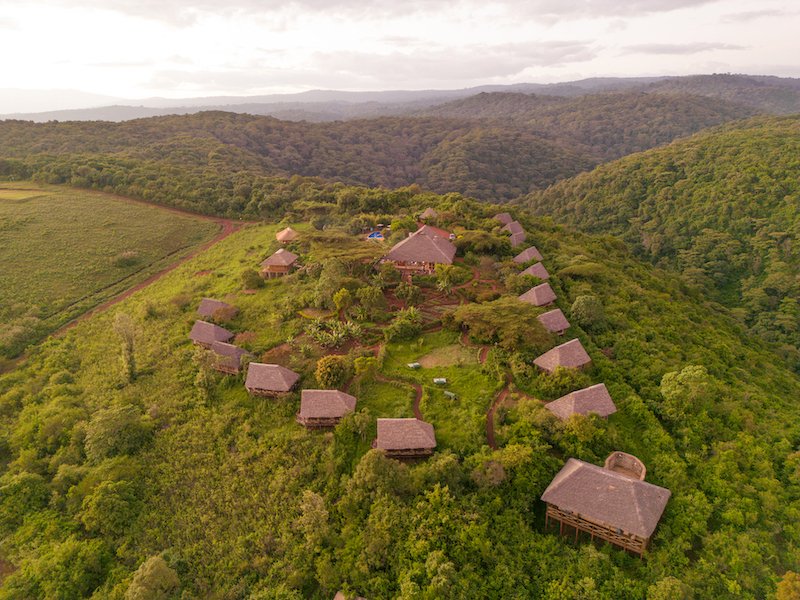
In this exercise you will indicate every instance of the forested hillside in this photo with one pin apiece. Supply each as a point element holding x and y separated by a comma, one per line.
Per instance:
<point>777,95</point>
<point>131,470</point>
<point>722,207</point>
<point>605,126</point>
<point>389,152</point>
<point>491,146</point>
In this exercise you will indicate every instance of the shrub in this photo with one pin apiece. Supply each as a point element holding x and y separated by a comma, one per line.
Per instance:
<point>116,431</point>
<point>251,280</point>
<point>153,580</point>
<point>588,312</point>
<point>332,371</point>
<point>405,326</point>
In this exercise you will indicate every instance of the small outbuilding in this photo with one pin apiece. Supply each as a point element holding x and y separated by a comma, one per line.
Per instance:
<point>605,503</point>
<point>517,239</point>
<point>504,217</point>
<point>531,253</point>
<point>228,357</point>
<point>554,321</point>
<point>324,408</point>
<point>593,399</point>
<point>280,263</point>
<point>570,355</point>
<point>285,236</point>
<point>341,596</point>
<point>405,438</point>
<point>421,251</point>
<point>205,334</point>
<point>540,295</point>
<point>537,270</point>
<point>209,308</point>
<point>269,380</point>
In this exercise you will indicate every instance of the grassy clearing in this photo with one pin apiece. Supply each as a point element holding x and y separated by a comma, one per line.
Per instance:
<point>449,356</point>
<point>64,251</point>
<point>459,423</point>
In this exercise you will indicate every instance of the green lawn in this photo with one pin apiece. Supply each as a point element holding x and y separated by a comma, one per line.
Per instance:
<point>64,251</point>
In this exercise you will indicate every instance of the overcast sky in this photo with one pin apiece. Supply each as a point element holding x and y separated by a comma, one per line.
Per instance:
<point>177,48</point>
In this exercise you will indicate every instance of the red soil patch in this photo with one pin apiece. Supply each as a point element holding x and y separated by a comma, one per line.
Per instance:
<point>201,273</point>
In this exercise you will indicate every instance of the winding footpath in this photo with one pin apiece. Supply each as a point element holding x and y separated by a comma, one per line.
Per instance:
<point>483,353</point>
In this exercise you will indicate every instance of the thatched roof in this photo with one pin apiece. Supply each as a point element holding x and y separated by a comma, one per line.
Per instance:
<point>554,321</point>
<point>537,270</point>
<point>539,295</point>
<point>571,355</point>
<point>272,378</point>
<point>404,434</point>
<point>531,253</point>
<point>286,235</point>
<point>281,258</point>
<point>514,227</point>
<point>325,404</point>
<point>517,239</point>
<point>208,306</point>
<point>505,218</point>
<point>607,498</point>
<point>228,355</point>
<point>432,231</point>
<point>429,213</point>
<point>207,333</point>
<point>422,246</point>
<point>594,399</point>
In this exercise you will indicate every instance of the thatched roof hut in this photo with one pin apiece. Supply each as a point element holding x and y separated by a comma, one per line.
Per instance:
<point>204,334</point>
<point>421,251</point>
<point>324,408</point>
<point>208,307</point>
<point>517,239</point>
<point>228,357</point>
<point>606,504</point>
<point>405,438</point>
<point>284,236</point>
<point>570,355</point>
<point>593,399</point>
<point>514,227</point>
<point>504,217</point>
<point>531,253</point>
<point>279,263</point>
<point>554,321</point>
<point>429,213</point>
<point>540,295</point>
<point>269,380</point>
<point>537,270</point>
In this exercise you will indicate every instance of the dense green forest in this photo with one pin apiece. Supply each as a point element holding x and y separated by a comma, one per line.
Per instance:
<point>777,95</point>
<point>131,471</point>
<point>720,207</point>
<point>604,126</point>
<point>491,147</point>
<point>440,154</point>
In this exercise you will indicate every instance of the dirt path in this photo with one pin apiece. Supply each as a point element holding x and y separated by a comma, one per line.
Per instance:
<point>490,414</point>
<point>483,353</point>
<point>417,391</point>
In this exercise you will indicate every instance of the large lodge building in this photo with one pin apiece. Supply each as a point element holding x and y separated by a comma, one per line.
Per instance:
<point>421,251</point>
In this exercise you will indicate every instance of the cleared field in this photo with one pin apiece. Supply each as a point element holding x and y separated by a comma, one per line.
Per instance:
<point>63,251</point>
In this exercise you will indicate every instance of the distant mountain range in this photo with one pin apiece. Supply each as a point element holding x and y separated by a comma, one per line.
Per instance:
<point>43,105</point>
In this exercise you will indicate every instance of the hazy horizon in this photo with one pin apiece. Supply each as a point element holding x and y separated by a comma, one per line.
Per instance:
<point>125,49</point>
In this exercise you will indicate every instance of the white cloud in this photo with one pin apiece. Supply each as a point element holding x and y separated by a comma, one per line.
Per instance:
<point>136,48</point>
<point>677,49</point>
